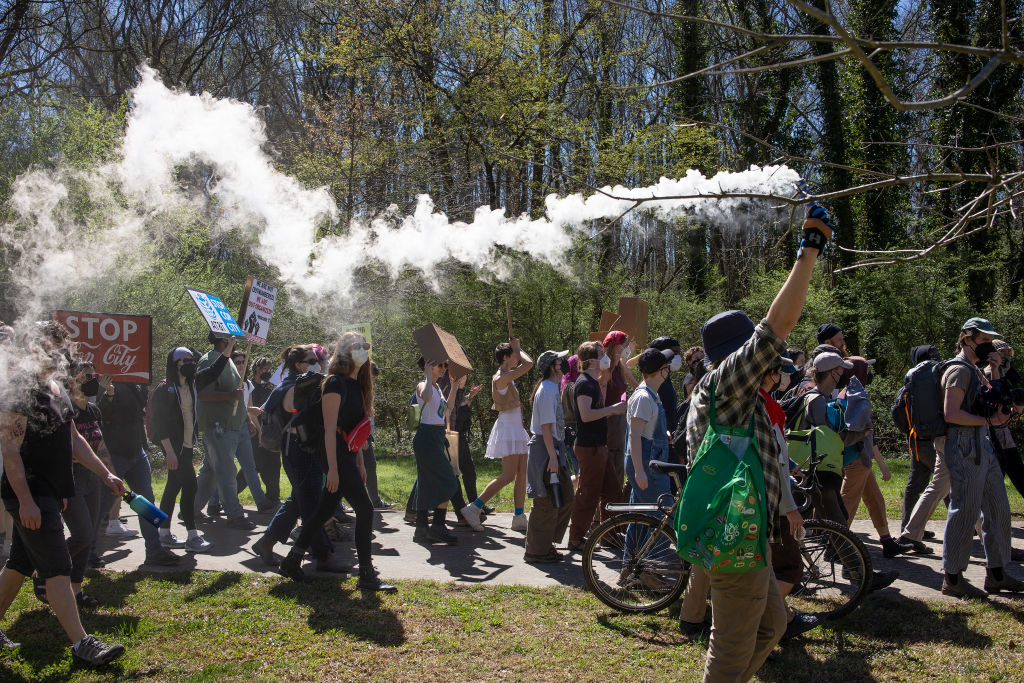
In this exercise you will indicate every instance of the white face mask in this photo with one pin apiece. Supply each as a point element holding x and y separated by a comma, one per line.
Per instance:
<point>605,362</point>
<point>360,356</point>
<point>677,363</point>
<point>625,353</point>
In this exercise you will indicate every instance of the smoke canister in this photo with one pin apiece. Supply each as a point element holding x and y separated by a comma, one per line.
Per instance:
<point>147,511</point>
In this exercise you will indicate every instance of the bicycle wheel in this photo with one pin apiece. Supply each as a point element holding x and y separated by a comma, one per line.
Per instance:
<point>630,564</point>
<point>837,571</point>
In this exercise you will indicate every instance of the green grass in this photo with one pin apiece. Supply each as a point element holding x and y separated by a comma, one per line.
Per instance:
<point>233,627</point>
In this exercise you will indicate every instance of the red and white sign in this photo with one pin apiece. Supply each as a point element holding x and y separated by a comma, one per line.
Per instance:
<point>118,345</point>
<point>257,309</point>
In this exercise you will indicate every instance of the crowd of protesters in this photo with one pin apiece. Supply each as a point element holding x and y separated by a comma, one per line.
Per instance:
<point>73,441</point>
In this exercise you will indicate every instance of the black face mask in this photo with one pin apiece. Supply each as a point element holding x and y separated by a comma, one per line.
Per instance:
<point>563,365</point>
<point>188,371</point>
<point>91,387</point>
<point>870,377</point>
<point>982,351</point>
<point>266,376</point>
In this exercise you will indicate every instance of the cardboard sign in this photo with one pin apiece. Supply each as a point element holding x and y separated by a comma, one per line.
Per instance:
<point>437,345</point>
<point>118,345</point>
<point>633,319</point>
<point>216,314</point>
<point>257,309</point>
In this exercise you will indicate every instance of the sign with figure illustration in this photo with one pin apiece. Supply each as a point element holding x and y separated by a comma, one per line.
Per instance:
<point>257,309</point>
<point>117,344</point>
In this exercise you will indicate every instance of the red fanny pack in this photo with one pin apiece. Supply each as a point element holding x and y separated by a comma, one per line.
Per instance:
<point>358,436</point>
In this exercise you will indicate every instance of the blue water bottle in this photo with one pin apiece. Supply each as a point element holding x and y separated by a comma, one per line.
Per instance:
<point>147,511</point>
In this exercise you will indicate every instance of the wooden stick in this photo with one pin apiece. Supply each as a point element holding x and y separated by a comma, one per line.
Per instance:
<point>508,318</point>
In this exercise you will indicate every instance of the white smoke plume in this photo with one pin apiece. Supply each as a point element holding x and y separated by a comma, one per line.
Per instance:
<point>138,196</point>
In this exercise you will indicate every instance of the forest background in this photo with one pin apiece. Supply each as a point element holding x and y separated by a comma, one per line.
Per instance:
<point>502,102</point>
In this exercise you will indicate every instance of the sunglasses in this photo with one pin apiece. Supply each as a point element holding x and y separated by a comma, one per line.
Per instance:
<point>362,345</point>
<point>308,361</point>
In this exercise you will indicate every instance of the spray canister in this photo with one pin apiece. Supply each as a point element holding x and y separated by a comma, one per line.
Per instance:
<point>556,491</point>
<point>147,511</point>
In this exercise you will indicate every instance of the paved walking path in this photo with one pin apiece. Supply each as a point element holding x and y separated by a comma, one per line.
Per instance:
<point>495,556</point>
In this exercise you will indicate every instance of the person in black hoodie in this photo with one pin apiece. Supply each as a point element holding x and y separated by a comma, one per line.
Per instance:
<point>922,451</point>
<point>175,429</point>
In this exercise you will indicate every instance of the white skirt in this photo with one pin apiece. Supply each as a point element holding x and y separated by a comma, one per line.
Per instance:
<point>507,435</point>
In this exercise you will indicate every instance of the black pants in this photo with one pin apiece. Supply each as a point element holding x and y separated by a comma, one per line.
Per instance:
<point>370,465</point>
<point>80,517</point>
<point>828,503</point>
<point>182,479</point>
<point>466,467</point>
<point>268,466</point>
<point>922,464</point>
<point>1011,464</point>
<point>350,486</point>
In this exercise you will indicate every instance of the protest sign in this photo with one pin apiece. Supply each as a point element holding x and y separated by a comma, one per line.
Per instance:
<point>437,345</point>
<point>216,314</point>
<point>119,345</point>
<point>257,309</point>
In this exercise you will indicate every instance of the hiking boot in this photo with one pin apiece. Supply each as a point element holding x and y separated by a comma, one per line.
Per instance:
<point>919,547</point>
<point>441,532</point>
<point>892,547</point>
<point>264,550</point>
<point>801,623</point>
<point>162,557</point>
<point>550,558</point>
<point>471,514</point>
<point>1006,584</point>
<point>880,580</point>
<point>6,643</point>
<point>695,632</point>
<point>430,535</point>
<point>291,567</point>
<point>197,544</point>
<point>959,588</point>
<point>93,652</point>
<point>520,523</point>
<point>241,523</point>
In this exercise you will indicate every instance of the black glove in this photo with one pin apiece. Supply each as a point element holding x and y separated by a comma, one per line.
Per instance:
<point>816,230</point>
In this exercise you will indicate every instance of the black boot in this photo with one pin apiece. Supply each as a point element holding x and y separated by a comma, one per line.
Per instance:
<point>422,534</point>
<point>369,581</point>
<point>291,566</point>
<point>439,530</point>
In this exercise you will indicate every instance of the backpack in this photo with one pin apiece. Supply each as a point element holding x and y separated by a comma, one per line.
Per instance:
<point>795,406</point>
<point>147,419</point>
<point>921,399</point>
<point>307,414</point>
<point>272,427</point>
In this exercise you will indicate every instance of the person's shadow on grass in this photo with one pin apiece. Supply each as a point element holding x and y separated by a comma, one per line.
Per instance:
<point>336,606</point>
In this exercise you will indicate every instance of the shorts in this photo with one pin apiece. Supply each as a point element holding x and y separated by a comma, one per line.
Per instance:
<point>42,551</point>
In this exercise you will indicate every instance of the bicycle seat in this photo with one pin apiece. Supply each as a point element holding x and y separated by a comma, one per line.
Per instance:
<point>667,467</point>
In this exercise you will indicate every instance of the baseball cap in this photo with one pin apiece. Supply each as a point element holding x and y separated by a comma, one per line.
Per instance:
<point>547,358</point>
<point>652,360</point>
<point>664,344</point>
<point>614,338</point>
<point>824,362</point>
<point>982,325</point>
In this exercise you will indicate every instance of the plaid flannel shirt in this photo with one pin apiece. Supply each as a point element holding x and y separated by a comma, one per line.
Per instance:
<point>737,379</point>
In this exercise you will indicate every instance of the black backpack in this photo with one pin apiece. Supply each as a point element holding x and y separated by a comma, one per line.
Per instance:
<point>795,406</point>
<point>918,410</point>
<point>307,414</point>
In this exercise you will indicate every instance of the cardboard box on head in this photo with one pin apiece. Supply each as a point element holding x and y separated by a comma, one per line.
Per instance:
<point>437,345</point>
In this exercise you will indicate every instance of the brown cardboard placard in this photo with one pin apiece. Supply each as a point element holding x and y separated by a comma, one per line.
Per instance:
<point>633,315</point>
<point>437,345</point>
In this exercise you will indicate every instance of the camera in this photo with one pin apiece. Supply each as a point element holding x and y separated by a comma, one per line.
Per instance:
<point>1000,397</point>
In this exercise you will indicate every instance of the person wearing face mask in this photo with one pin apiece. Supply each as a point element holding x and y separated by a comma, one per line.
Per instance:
<point>693,359</point>
<point>1002,440</point>
<point>267,462</point>
<point>547,458</point>
<point>647,429</point>
<point>508,441</point>
<point>617,381</point>
<point>976,480</point>
<point>922,455</point>
<point>347,405</point>
<point>175,430</point>
<point>667,391</point>
<point>597,484</point>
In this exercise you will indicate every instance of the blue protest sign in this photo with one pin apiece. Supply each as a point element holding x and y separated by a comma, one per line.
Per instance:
<point>216,314</point>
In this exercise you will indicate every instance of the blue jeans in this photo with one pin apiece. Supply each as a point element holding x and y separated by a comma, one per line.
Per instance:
<point>137,473</point>
<point>218,470</point>
<point>248,464</point>
<point>303,470</point>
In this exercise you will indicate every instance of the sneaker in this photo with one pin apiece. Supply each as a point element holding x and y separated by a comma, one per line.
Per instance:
<point>241,523</point>
<point>162,557</point>
<point>801,623</point>
<point>1007,584</point>
<point>370,582</point>
<point>291,567</point>
<point>198,544</point>
<point>880,580</point>
<point>264,550</point>
<point>116,528</point>
<point>90,650</point>
<point>919,547</point>
<point>960,588</point>
<point>892,547</point>
<point>268,506</point>
<point>520,522</point>
<point>171,541</point>
<point>694,632</point>
<point>383,505</point>
<point>6,643</point>
<point>471,513</point>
